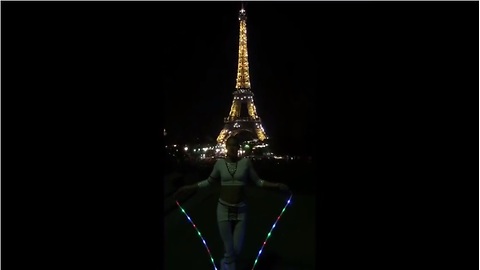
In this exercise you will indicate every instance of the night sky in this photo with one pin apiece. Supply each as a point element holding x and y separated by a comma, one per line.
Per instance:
<point>331,70</point>
<point>204,49</point>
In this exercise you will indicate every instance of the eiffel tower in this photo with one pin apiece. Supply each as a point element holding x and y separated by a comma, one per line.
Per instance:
<point>242,96</point>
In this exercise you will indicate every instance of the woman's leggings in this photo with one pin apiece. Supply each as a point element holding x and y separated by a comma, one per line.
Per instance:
<point>231,223</point>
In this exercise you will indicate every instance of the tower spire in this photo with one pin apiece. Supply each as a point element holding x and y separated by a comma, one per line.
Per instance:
<point>243,76</point>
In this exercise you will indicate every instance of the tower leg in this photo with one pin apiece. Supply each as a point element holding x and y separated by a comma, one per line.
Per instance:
<point>223,135</point>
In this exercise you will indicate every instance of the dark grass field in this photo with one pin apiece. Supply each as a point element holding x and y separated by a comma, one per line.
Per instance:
<point>292,244</point>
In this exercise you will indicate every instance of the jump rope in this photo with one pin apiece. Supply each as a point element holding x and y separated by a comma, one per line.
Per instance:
<point>264,242</point>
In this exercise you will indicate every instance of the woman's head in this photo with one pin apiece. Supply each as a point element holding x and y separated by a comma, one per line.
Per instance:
<point>233,145</point>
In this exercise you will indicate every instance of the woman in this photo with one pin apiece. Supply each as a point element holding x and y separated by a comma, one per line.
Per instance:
<point>232,174</point>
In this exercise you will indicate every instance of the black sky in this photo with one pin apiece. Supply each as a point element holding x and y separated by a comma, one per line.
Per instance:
<point>203,56</point>
<point>312,64</point>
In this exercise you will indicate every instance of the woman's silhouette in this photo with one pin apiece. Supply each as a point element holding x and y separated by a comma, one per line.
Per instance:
<point>232,173</point>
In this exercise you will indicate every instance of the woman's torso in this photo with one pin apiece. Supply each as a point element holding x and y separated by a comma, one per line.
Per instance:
<point>232,195</point>
<point>234,176</point>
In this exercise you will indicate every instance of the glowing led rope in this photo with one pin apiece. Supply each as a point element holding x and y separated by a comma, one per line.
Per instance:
<point>199,234</point>
<point>264,242</point>
<point>270,232</point>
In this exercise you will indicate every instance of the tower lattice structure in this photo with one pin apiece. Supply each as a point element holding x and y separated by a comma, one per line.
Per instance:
<point>243,95</point>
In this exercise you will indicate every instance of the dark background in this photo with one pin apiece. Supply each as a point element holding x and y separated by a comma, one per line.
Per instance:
<point>392,88</point>
<point>352,70</point>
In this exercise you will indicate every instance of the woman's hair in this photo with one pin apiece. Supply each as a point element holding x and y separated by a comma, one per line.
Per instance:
<point>233,138</point>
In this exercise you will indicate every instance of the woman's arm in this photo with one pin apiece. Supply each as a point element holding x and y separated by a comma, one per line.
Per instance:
<point>214,177</point>
<point>262,183</point>
<point>253,174</point>
<point>267,184</point>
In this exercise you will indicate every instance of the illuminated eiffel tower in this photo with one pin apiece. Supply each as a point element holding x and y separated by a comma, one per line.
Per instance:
<point>242,96</point>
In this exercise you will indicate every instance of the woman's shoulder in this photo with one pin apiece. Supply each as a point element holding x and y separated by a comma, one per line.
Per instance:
<point>246,160</point>
<point>220,160</point>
